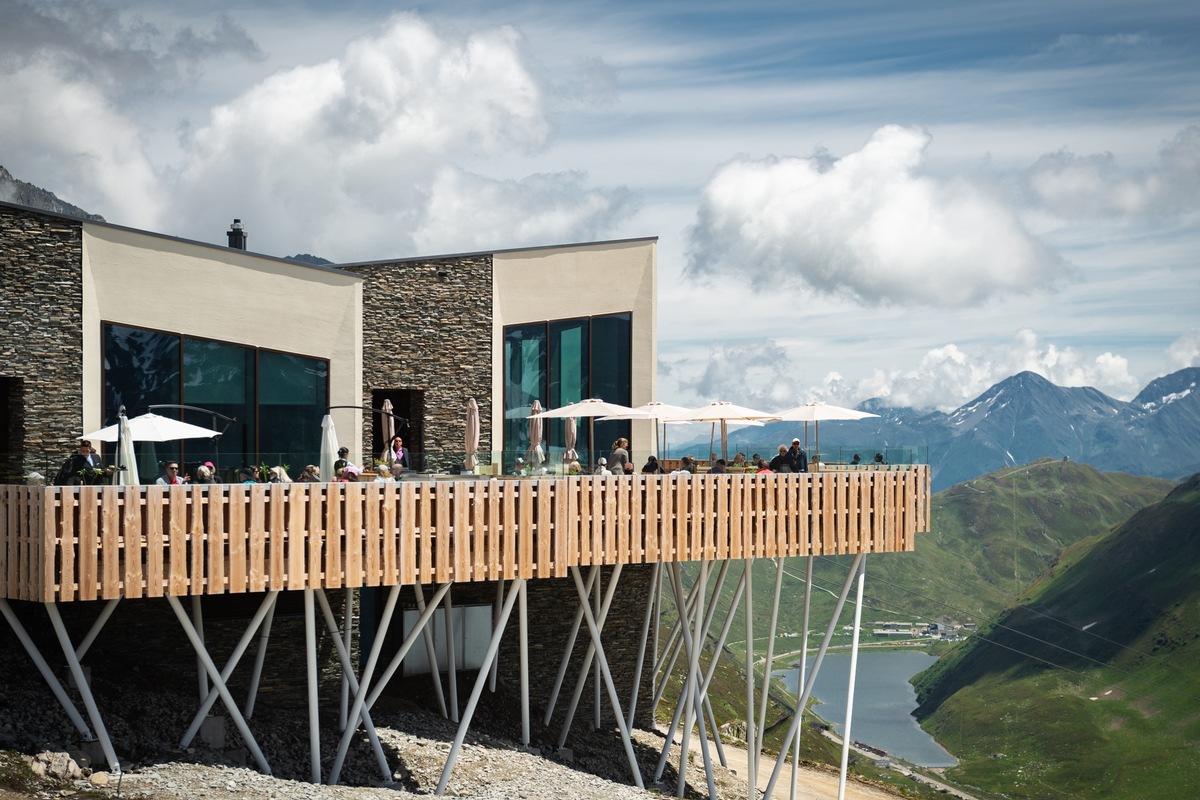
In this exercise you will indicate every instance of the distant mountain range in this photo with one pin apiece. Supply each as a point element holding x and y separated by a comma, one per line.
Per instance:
<point>26,194</point>
<point>1023,418</point>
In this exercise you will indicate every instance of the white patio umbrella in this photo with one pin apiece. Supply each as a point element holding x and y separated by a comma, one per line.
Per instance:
<point>127,468</point>
<point>658,412</point>
<point>590,408</point>
<point>329,448</point>
<point>535,453</point>
<point>724,412</point>
<point>153,428</point>
<point>817,411</point>
<point>471,437</point>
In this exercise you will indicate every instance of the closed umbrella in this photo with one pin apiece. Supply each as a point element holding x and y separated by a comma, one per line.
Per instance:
<point>389,423</point>
<point>471,439</point>
<point>569,435</point>
<point>724,412</point>
<point>329,448</point>
<point>535,455</point>
<point>127,468</point>
<point>817,411</point>
<point>590,408</point>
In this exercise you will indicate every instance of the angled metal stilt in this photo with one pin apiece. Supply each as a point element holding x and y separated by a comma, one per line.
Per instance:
<point>480,681</point>
<point>862,576</point>
<point>85,691</point>
<point>211,669</point>
<point>47,675</point>
<point>829,631</point>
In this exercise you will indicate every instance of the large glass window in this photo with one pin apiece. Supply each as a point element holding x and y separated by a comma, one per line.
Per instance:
<point>561,362</point>
<point>276,399</point>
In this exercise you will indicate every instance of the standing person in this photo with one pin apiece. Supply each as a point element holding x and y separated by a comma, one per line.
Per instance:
<point>395,454</point>
<point>171,476</point>
<point>71,472</point>
<point>343,460</point>
<point>619,456</point>
<point>797,457</point>
<point>782,462</point>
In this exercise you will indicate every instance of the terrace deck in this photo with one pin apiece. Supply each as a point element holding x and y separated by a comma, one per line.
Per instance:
<point>64,544</point>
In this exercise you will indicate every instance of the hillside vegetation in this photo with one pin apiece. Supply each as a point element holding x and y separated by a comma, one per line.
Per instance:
<point>989,538</point>
<point>1089,686</point>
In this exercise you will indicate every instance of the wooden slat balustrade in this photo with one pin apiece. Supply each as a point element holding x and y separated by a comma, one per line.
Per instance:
<point>87,543</point>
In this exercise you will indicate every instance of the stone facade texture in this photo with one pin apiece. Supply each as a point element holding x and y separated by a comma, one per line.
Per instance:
<point>427,327</point>
<point>41,340</point>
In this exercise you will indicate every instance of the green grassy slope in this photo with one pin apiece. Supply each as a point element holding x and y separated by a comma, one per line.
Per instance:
<point>1039,707</point>
<point>989,538</point>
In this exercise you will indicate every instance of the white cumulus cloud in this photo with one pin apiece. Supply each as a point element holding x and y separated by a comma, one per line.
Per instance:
<point>374,142</point>
<point>867,225</point>
<point>1097,186</point>
<point>1185,351</point>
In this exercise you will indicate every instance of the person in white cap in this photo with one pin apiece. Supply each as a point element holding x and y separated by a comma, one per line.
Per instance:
<point>602,467</point>
<point>797,457</point>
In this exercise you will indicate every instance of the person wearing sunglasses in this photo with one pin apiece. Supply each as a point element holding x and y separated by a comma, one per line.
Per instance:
<point>171,477</point>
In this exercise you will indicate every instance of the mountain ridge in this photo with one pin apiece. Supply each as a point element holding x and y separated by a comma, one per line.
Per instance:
<point>1020,419</point>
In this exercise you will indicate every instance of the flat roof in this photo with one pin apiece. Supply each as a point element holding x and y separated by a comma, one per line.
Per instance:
<point>335,267</point>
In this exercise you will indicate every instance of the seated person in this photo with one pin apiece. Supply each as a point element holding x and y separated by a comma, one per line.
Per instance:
<point>739,461</point>
<point>781,462</point>
<point>763,466</point>
<point>879,458</point>
<point>383,474</point>
<point>602,467</point>
<point>855,461</point>
<point>718,468</point>
<point>311,474</point>
<point>652,467</point>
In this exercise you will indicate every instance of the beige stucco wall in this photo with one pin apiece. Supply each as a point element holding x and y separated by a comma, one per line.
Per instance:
<point>580,281</point>
<point>138,279</point>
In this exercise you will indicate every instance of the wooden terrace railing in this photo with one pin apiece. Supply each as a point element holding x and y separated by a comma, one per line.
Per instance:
<point>88,543</point>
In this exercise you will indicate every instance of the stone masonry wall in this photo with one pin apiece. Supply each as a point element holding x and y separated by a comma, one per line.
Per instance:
<point>427,325</point>
<point>41,339</point>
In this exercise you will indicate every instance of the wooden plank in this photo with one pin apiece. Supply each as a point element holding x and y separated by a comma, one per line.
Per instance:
<point>297,544</point>
<point>407,531</point>
<point>46,530</point>
<point>562,522</point>
<point>88,553</point>
<point>609,487</point>
<point>525,544</point>
<point>276,534</point>
<point>508,526</point>
<point>131,529</point>
<point>353,509</point>
<point>211,510</point>
<point>460,541</point>
<point>422,514</point>
<point>636,526</point>
<point>335,499</point>
<point>493,526</point>
<point>389,540</point>
<point>544,530</point>
<point>185,498</point>
<point>67,536</point>
<point>373,532</point>
<point>476,505</point>
<point>233,499</point>
<point>443,567</point>
<point>110,543</point>
<point>255,501</point>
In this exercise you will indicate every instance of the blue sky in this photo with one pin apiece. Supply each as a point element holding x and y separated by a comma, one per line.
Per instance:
<point>853,199</point>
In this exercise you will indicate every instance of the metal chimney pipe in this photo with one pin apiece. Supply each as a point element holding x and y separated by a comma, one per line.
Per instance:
<point>237,235</point>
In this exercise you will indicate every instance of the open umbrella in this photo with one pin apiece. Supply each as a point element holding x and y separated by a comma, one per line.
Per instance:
<point>815,412</point>
<point>724,412</point>
<point>590,408</point>
<point>153,428</point>
<point>329,448</point>
<point>656,411</point>
<point>471,439</point>
<point>535,453</point>
<point>127,468</point>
